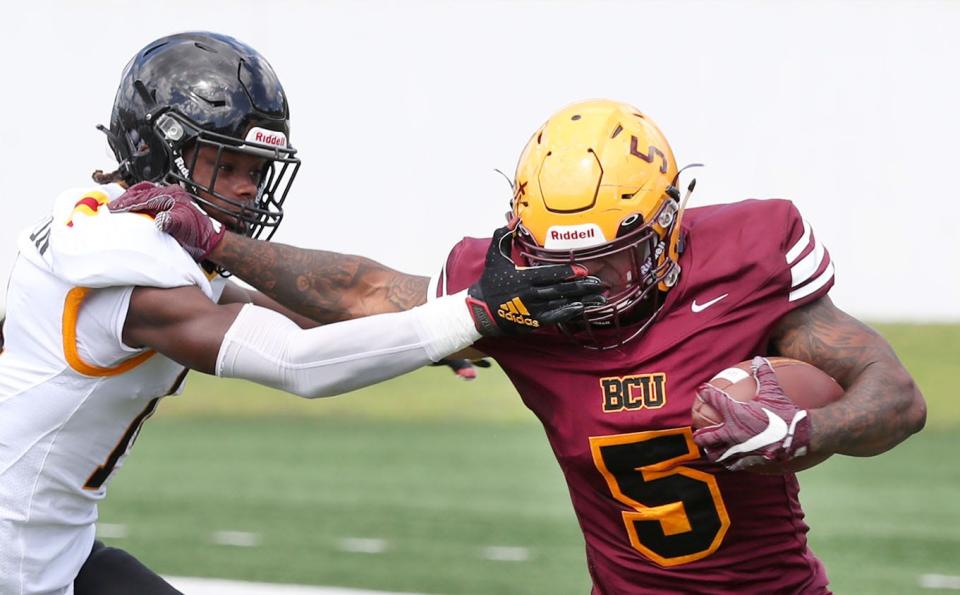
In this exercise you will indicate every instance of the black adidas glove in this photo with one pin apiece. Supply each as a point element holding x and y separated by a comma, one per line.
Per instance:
<point>509,300</point>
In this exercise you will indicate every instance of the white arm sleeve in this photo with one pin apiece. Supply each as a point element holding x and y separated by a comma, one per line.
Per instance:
<point>268,348</point>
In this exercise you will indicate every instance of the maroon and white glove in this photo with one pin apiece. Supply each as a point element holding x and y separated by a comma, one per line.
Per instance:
<point>768,428</point>
<point>175,213</point>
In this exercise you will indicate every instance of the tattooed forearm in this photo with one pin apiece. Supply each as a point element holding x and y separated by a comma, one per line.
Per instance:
<point>325,286</point>
<point>882,405</point>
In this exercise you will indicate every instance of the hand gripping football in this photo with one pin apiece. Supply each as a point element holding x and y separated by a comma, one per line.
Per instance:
<point>807,386</point>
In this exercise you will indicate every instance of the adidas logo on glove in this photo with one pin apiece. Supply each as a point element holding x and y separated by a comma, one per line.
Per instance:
<point>516,312</point>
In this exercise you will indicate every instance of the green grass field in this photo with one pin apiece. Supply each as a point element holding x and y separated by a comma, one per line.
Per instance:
<point>441,470</point>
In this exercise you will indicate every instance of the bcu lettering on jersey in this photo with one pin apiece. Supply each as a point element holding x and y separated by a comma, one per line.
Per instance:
<point>629,393</point>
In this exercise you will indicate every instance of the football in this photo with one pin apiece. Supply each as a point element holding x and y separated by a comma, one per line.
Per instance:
<point>806,385</point>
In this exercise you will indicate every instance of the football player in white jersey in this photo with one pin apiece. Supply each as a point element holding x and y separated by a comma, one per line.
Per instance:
<point>105,314</point>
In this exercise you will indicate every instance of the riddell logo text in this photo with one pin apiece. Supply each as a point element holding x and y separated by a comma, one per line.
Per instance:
<point>277,140</point>
<point>572,234</point>
<point>516,312</point>
<point>182,166</point>
<point>629,393</point>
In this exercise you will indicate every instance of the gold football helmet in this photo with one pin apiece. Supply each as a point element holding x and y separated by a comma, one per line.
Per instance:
<point>595,185</point>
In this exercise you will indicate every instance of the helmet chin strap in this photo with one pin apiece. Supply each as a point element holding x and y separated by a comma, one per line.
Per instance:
<point>111,137</point>
<point>675,194</point>
<point>505,177</point>
<point>686,196</point>
<point>675,237</point>
<point>123,168</point>
<point>676,178</point>
<point>504,247</point>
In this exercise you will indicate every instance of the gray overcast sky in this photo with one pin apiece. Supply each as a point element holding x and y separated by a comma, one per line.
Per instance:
<point>401,111</point>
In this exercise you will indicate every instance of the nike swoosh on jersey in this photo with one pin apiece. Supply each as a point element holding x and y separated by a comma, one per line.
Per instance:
<point>701,307</point>
<point>775,431</point>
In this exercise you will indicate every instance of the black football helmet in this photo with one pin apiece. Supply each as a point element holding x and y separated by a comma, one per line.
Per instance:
<point>205,89</point>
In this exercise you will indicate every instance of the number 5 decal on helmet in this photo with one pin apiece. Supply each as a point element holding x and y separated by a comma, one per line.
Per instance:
<point>676,515</point>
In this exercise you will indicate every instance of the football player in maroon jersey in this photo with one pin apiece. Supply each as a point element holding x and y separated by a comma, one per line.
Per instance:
<point>663,510</point>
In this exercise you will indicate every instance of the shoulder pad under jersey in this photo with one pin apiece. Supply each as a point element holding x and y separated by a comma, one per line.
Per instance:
<point>90,246</point>
<point>765,244</point>
<point>462,268</point>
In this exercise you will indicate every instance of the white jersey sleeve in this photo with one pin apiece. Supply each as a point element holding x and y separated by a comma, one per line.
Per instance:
<point>87,245</point>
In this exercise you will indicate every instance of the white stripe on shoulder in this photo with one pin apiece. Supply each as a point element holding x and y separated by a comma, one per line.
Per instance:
<point>814,285</point>
<point>794,252</point>
<point>807,266</point>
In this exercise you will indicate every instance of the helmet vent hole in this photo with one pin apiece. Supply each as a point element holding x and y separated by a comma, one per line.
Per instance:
<point>539,137</point>
<point>150,50</point>
<point>210,102</point>
<point>575,117</point>
<point>639,115</point>
<point>205,48</point>
<point>627,196</point>
<point>630,221</point>
<point>616,131</point>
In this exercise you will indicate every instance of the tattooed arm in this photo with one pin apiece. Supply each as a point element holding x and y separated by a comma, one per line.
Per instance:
<point>882,405</point>
<point>323,286</point>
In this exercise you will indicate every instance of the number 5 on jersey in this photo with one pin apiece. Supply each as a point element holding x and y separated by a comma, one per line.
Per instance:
<point>677,515</point>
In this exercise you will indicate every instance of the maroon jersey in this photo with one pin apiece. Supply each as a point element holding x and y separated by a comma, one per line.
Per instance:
<point>655,516</point>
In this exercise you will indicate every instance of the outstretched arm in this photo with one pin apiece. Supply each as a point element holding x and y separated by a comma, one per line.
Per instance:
<point>258,344</point>
<point>329,287</point>
<point>233,293</point>
<point>323,286</point>
<point>882,405</point>
<point>261,345</point>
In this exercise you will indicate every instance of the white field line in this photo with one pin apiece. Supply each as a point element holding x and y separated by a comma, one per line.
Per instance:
<point>359,545</point>
<point>210,586</point>
<point>501,553</point>
<point>235,538</point>
<point>939,581</point>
